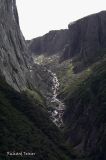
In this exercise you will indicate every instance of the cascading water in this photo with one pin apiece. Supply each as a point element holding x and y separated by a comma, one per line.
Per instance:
<point>59,107</point>
<point>55,106</point>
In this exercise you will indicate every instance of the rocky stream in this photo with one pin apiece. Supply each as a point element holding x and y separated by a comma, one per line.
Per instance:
<point>56,112</point>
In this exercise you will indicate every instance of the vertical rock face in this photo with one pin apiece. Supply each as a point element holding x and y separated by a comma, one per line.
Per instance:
<point>51,43</point>
<point>13,65</point>
<point>84,41</point>
<point>87,36</point>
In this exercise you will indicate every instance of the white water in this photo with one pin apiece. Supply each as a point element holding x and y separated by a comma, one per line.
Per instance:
<point>59,107</point>
<point>56,106</point>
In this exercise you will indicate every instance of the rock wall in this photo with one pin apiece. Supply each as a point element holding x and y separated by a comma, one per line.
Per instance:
<point>13,50</point>
<point>51,43</point>
<point>84,41</point>
<point>85,114</point>
<point>87,37</point>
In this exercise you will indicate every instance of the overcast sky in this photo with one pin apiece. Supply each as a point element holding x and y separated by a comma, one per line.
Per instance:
<point>38,17</point>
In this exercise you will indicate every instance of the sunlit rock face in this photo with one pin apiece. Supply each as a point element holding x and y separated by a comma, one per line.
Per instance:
<point>13,65</point>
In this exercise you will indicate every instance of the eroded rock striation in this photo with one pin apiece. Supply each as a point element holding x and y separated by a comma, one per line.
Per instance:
<point>13,50</point>
<point>87,38</point>
<point>84,41</point>
<point>51,43</point>
<point>25,125</point>
<point>83,93</point>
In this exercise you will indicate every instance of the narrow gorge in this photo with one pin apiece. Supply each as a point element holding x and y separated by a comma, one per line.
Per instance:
<point>58,108</point>
<point>53,90</point>
<point>55,106</point>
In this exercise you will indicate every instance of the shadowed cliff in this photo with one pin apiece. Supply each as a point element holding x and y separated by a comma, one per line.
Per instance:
<point>82,78</point>
<point>13,50</point>
<point>24,121</point>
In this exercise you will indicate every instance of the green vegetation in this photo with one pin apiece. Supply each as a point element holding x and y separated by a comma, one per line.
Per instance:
<point>83,60</point>
<point>86,110</point>
<point>36,96</point>
<point>74,81</point>
<point>25,126</point>
<point>64,73</point>
<point>24,122</point>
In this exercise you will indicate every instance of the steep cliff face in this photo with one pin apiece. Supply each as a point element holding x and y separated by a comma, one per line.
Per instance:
<point>84,42</point>
<point>25,125</point>
<point>83,93</point>
<point>51,43</point>
<point>88,35</point>
<point>24,121</point>
<point>85,116</point>
<point>13,64</point>
<point>87,40</point>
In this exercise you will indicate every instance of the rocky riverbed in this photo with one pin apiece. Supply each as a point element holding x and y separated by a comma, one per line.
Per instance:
<point>56,112</point>
<point>50,89</point>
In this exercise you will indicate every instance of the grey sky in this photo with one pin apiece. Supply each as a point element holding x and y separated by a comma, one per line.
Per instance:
<point>37,17</point>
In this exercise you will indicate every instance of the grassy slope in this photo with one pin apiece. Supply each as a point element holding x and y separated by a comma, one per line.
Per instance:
<point>86,111</point>
<point>24,126</point>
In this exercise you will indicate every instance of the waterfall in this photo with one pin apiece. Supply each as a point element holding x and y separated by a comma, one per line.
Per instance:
<point>55,106</point>
<point>59,107</point>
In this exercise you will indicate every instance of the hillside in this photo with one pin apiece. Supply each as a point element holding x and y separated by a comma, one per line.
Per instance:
<point>80,67</point>
<point>25,125</point>
<point>84,117</point>
<point>53,90</point>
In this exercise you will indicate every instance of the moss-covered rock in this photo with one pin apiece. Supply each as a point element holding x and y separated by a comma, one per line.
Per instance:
<point>25,126</point>
<point>85,115</point>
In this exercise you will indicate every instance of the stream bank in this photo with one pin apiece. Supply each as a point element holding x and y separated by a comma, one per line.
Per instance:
<point>58,107</point>
<point>48,84</point>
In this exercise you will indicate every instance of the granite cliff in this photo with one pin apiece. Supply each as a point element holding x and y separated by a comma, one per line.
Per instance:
<point>28,82</point>
<point>51,43</point>
<point>88,35</point>
<point>84,41</point>
<point>13,50</point>
<point>87,40</point>
<point>25,125</point>
<point>82,79</point>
